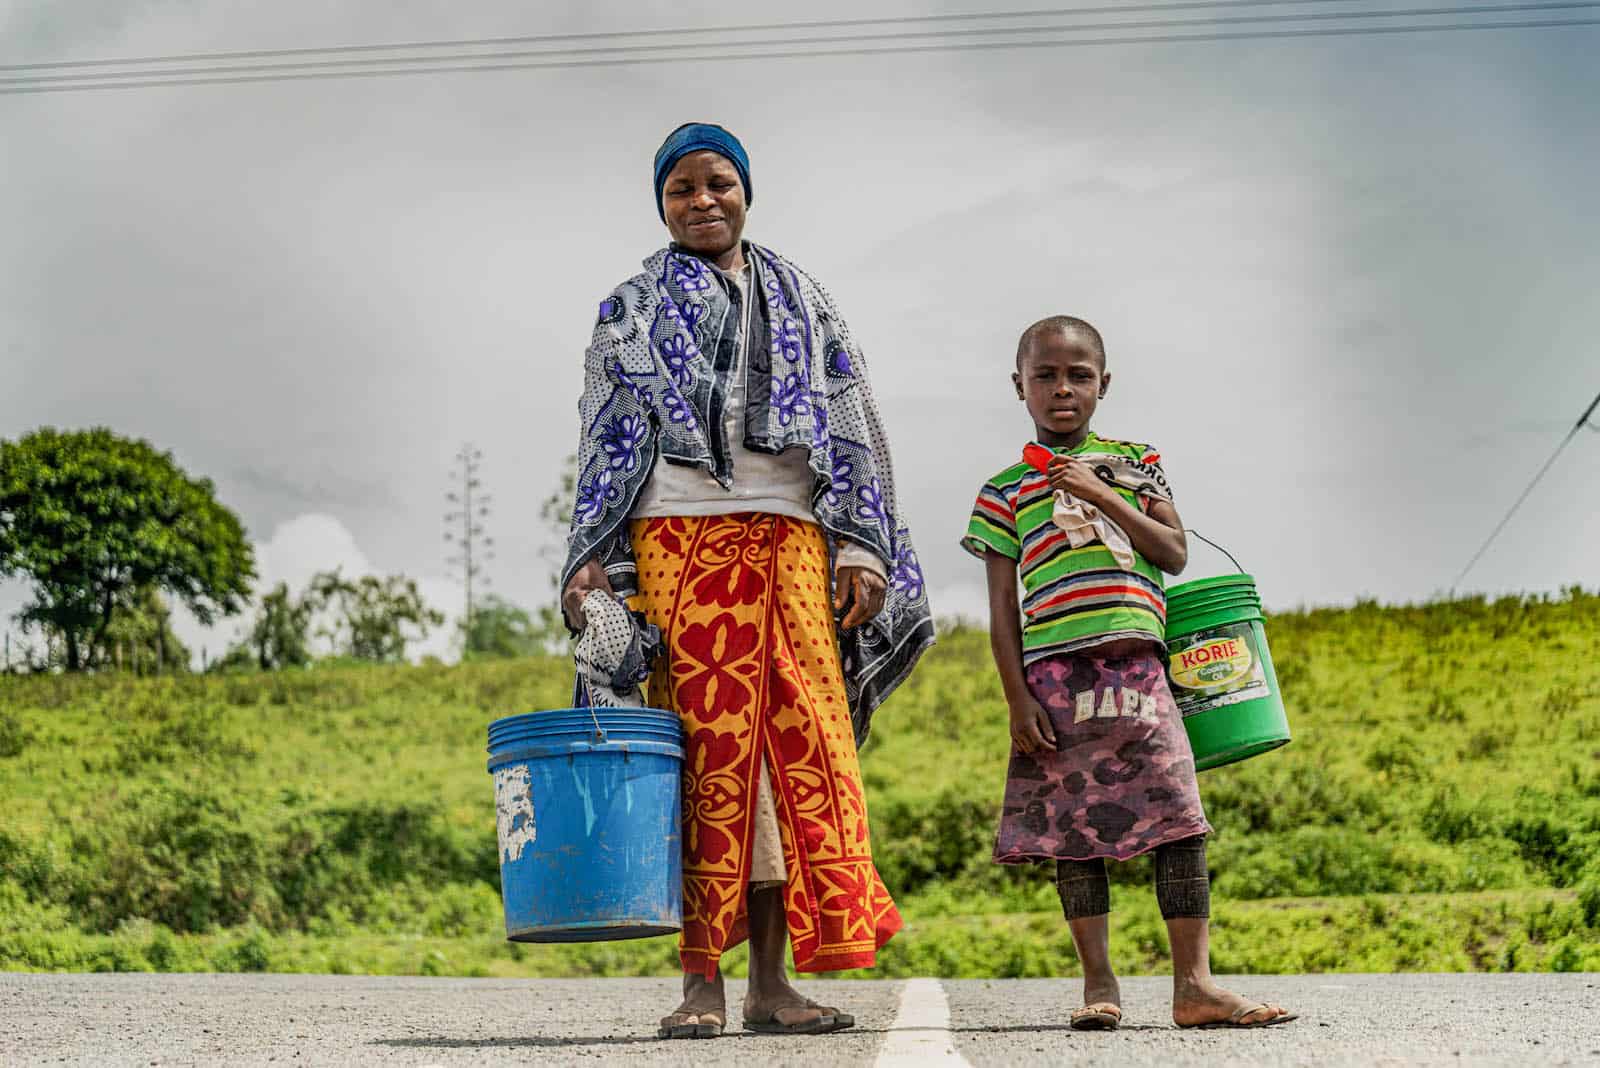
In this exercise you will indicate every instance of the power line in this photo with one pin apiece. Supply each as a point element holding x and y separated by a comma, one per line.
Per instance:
<point>388,62</point>
<point>759,27</point>
<point>728,56</point>
<point>1583,420</point>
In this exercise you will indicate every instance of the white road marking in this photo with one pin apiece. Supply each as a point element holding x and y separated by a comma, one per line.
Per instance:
<point>920,1034</point>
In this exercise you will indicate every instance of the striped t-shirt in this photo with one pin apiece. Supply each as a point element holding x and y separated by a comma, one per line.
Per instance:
<point>1073,599</point>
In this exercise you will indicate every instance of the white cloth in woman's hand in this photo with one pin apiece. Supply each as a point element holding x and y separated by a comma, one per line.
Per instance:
<point>613,654</point>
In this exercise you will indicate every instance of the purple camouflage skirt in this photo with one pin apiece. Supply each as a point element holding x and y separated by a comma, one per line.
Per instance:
<point>1121,780</point>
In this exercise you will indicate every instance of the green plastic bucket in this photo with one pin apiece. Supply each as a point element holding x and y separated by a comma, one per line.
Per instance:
<point>1220,671</point>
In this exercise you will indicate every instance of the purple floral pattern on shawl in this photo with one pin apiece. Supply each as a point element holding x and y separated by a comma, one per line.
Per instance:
<point>790,397</point>
<point>907,573</point>
<point>621,440</point>
<point>677,352</point>
<point>873,507</point>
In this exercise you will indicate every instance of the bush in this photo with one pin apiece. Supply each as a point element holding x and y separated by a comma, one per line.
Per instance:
<point>1316,861</point>
<point>353,856</point>
<point>251,953</point>
<point>13,736</point>
<point>190,739</point>
<point>1589,896</point>
<point>918,840</point>
<point>184,858</point>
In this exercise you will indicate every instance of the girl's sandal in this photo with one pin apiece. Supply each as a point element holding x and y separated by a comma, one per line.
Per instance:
<point>1101,1016</point>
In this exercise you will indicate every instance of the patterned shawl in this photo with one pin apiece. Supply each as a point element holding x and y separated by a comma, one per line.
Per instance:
<point>655,385</point>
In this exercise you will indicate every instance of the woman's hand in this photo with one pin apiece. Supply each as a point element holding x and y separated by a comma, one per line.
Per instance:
<point>591,576</point>
<point>1078,479</point>
<point>1030,727</point>
<point>863,589</point>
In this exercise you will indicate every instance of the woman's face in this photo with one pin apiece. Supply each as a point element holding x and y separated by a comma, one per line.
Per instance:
<point>703,201</point>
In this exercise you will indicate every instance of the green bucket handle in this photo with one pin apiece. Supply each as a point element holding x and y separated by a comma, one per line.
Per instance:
<point>1214,545</point>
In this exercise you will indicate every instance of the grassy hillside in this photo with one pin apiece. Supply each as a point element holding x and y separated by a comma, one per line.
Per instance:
<point>1438,809</point>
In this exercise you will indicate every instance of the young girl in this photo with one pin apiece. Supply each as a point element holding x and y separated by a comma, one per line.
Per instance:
<point>1100,764</point>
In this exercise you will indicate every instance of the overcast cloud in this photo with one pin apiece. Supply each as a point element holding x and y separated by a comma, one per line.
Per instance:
<point>1347,284</point>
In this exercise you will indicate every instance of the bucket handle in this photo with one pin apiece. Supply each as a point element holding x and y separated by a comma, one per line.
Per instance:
<point>1215,546</point>
<point>581,699</point>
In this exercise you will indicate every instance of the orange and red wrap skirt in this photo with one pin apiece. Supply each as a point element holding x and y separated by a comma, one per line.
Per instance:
<point>753,670</point>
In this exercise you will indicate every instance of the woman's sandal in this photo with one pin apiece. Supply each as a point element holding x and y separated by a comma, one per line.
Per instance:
<point>1101,1016</point>
<point>1236,1019</point>
<point>698,1029</point>
<point>829,1021</point>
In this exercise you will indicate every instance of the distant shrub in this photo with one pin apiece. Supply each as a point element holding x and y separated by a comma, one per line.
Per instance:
<point>921,839</point>
<point>193,860</point>
<point>1446,819</point>
<point>184,858</point>
<point>193,737</point>
<point>1314,861</point>
<point>1483,744</point>
<point>251,953</point>
<point>1291,672</point>
<point>1443,707</point>
<point>1273,795</point>
<point>456,910</point>
<point>1589,896</point>
<point>1548,841</point>
<point>343,856</point>
<point>1395,758</point>
<point>13,736</point>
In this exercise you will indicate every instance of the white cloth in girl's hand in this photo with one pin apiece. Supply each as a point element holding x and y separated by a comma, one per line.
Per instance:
<point>1085,524</point>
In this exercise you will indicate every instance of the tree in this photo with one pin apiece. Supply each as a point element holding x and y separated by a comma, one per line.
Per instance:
<point>280,636</point>
<point>89,516</point>
<point>499,628</point>
<point>470,507</point>
<point>370,615</point>
<point>140,638</point>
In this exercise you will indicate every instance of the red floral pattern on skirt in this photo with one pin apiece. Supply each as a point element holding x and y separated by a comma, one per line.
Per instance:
<point>743,602</point>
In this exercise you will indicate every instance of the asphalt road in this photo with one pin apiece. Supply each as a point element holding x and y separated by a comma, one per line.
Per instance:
<point>1522,1020</point>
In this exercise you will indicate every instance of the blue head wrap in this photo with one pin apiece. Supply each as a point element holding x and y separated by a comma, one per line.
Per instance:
<point>700,137</point>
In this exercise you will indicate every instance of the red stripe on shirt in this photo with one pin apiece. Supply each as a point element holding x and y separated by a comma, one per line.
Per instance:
<point>999,512</point>
<point>1068,596</point>
<point>1044,547</point>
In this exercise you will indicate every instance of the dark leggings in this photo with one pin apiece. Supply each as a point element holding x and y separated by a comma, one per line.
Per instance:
<point>1183,887</point>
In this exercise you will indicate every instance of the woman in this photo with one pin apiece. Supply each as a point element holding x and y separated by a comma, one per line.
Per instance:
<point>774,509</point>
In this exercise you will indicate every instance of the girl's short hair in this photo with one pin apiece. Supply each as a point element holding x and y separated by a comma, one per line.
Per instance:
<point>1066,324</point>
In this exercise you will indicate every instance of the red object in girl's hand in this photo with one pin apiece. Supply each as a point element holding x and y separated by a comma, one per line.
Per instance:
<point>1037,457</point>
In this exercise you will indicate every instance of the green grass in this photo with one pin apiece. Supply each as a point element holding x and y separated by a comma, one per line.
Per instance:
<point>1439,809</point>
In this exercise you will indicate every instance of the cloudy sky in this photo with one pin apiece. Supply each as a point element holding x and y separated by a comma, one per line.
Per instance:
<point>1347,284</point>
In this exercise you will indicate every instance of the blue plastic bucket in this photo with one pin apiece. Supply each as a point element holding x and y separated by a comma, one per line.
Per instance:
<point>586,804</point>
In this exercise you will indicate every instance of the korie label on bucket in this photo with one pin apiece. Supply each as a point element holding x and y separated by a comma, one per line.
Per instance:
<point>1214,668</point>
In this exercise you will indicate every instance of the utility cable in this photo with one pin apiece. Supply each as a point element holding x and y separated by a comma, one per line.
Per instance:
<point>387,62</point>
<point>760,27</point>
<point>1583,420</point>
<point>810,53</point>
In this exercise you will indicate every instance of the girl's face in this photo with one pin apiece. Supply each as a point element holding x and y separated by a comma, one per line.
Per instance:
<point>1061,378</point>
<point>703,201</point>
